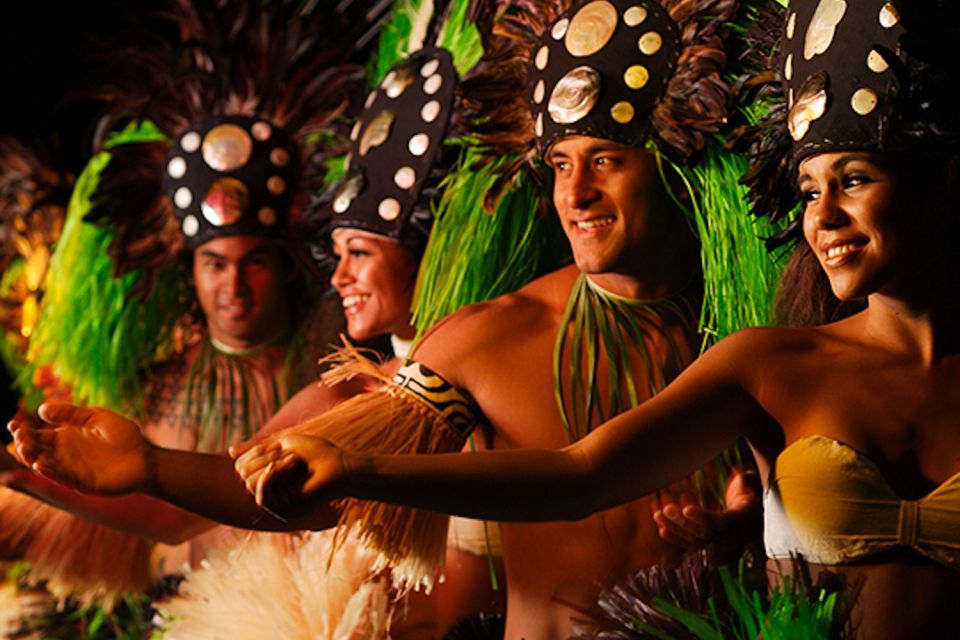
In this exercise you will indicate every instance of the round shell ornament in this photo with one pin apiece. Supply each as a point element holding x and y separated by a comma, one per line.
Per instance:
<point>226,147</point>
<point>864,101</point>
<point>574,96</point>
<point>190,226</point>
<point>348,191</point>
<point>377,131</point>
<point>591,28</point>
<point>650,43</point>
<point>634,16</point>
<point>190,141</point>
<point>225,202</point>
<point>261,131</point>
<point>177,167</point>
<point>389,209</point>
<point>823,26</point>
<point>810,105</point>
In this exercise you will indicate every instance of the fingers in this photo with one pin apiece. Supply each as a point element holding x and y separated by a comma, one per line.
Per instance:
<point>31,441</point>
<point>54,412</point>
<point>238,450</point>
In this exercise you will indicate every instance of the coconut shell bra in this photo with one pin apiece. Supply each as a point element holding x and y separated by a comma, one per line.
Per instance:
<point>829,503</point>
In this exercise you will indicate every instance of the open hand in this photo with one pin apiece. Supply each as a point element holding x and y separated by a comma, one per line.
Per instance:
<point>289,474</point>
<point>688,525</point>
<point>89,448</point>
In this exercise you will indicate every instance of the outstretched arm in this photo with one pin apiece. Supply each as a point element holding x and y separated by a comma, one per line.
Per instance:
<point>97,450</point>
<point>661,441</point>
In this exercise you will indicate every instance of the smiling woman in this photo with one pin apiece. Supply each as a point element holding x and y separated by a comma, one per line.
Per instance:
<point>375,278</point>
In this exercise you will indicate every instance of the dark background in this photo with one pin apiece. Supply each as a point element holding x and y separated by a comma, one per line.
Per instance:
<point>43,49</point>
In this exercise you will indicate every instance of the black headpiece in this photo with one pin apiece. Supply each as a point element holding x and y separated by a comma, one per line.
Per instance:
<point>865,75</point>
<point>396,145</point>
<point>242,102</point>
<point>601,69</point>
<point>234,175</point>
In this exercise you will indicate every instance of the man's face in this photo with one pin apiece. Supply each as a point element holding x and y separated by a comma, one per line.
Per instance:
<point>241,283</point>
<point>611,201</point>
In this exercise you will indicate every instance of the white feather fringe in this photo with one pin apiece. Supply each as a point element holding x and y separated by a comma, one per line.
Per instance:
<point>269,588</point>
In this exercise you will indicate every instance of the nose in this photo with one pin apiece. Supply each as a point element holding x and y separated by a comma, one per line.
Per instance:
<point>827,211</point>
<point>580,189</point>
<point>235,280</point>
<point>342,275</point>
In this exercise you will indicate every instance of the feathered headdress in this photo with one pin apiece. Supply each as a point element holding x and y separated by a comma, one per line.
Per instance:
<point>219,131</point>
<point>33,202</point>
<point>871,75</point>
<point>659,74</point>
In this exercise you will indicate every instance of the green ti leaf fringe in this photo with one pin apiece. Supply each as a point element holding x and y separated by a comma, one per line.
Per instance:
<point>393,44</point>
<point>740,275</point>
<point>97,339</point>
<point>787,613</point>
<point>458,35</point>
<point>474,256</point>
<point>9,351</point>
<point>461,38</point>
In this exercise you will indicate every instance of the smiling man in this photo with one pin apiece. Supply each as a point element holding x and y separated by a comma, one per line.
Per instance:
<point>613,88</point>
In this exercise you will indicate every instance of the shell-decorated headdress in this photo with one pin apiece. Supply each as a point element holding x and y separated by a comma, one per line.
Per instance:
<point>631,71</point>
<point>652,73</point>
<point>863,75</point>
<point>240,102</point>
<point>219,130</point>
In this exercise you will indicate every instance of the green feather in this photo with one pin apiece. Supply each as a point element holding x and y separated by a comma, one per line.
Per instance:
<point>97,338</point>
<point>461,38</point>
<point>474,256</point>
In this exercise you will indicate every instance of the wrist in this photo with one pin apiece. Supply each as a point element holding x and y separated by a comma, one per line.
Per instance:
<point>152,480</point>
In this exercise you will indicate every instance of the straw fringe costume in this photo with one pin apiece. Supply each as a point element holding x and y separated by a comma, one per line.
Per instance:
<point>271,82</point>
<point>476,245</point>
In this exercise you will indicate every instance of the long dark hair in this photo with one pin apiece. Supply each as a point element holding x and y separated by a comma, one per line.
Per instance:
<point>804,297</point>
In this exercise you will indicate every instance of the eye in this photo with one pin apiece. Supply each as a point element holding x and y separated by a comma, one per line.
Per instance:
<point>856,180</point>
<point>809,195</point>
<point>358,253</point>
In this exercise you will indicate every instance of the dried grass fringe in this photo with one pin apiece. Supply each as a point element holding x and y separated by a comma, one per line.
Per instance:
<point>388,421</point>
<point>278,586</point>
<point>77,559</point>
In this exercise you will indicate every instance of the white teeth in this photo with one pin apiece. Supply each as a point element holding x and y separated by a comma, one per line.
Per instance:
<point>840,250</point>
<point>351,301</point>
<point>593,224</point>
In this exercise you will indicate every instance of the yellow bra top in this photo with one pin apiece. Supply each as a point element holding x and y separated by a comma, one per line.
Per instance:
<point>830,503</point>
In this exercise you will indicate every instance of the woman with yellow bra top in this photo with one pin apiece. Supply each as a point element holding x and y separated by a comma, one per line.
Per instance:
<point>852,412</point>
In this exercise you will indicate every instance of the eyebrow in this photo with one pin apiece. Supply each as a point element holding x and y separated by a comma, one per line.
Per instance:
<point>258,251</point>
<point>598,147</point>
<point>837,165</point>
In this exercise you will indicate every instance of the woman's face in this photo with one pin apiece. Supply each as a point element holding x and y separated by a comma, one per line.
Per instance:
<point>374,277</point>
<point>862,223</point>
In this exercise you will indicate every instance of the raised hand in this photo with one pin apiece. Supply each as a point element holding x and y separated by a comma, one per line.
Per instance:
<point>289,474</point>
<point>89,448</point>
<point>688,525</point>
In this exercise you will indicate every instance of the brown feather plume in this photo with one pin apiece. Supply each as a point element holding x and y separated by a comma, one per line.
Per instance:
<point>697,102</point>
<point>287,62</point>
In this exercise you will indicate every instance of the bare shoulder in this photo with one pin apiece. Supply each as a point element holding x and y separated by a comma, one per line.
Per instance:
<point>752,352</point>
<point>485,329</point>
<point>311,401</point>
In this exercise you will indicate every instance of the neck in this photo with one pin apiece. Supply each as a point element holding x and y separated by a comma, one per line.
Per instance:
<point>401,346</point>
<point>926,331</point>
<point>659,270</point>
<point>240,347</point>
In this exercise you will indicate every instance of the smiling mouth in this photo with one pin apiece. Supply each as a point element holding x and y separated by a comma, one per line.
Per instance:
<point>837,254</point>
<point>594,223</point>
<point>352,302</point>
<point>235,310</point>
